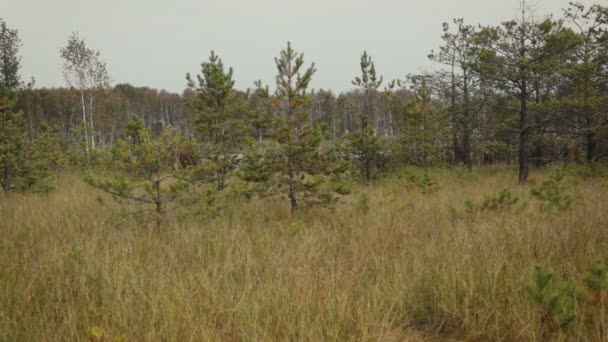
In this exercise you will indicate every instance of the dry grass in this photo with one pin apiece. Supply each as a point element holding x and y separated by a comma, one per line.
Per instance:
<point>413,267</point>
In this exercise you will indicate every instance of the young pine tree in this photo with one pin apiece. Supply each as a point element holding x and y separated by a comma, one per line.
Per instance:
<point>12,124</point>
<point>27,167</point>
<point>296,166</point>
<point>10,61</point>
<point>22,166</point>
<point>12,147</point>
<point>45,156</point>
<point>259,113</point>
<point>423,124</point>
<point>365,143</point>
<point>222,133</point>
<point>464,87</point>
<point>144,172</point>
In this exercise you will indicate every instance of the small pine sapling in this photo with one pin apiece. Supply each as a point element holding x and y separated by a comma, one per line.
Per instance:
<point>558,300</point>
<point>552,193</point>
<point>145,173</point>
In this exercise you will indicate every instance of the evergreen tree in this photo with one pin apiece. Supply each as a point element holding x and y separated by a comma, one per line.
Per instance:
<point>45,156</point>
<point>465,91</point>
<point>586,73</point>
<point>143,172</point>
<point>514,56</point>
<point>10,61</point>
<point>365,143</point>
<point>12,148</point>
<point>259,112</point>
<point>22,166</point>
<point>423,124</point>
<point>222,132</point>
<point>296,164</point>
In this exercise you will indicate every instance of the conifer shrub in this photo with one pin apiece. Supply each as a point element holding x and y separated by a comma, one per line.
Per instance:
<point>592,169</point>
<point>564,304</point>
<point>557,300</point>
<point>98,334</point>
<point>362,204</point>
<point>344,187</point>
<point>597,277</point>
<point>27,164</point>
<point>146,171</point>
<point>462,174</point>
<point>502,200</point>
<point>45,156</point>
<point>425,180</point>
<point>552,192</point>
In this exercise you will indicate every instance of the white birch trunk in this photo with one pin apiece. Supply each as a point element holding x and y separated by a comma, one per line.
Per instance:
<point>91,120</point>
<point>84,123</point>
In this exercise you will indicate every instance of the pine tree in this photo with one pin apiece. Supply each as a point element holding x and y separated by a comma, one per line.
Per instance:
<point>143,172</point>
<point>514,56</point>
<point>296,165</point>
<point>259,113</point>
<point>27,167</point>
<point>466,92</point>
<point>586,73</point>
<point>10,61</point>
<point>365,143</point>
<point>423,124</point>
<point>12,147</point>
<point>222,132</point>
<point>45,156</point>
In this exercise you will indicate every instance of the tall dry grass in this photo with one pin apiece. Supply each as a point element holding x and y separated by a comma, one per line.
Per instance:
<point>391,265</point>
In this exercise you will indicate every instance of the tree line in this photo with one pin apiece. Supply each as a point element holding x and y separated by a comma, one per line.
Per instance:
<point>527,92</point>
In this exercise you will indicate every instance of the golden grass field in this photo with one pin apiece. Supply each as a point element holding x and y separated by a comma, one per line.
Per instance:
<point>402,265</point>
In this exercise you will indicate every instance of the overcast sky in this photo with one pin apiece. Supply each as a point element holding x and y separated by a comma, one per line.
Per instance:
<point>154,43</point>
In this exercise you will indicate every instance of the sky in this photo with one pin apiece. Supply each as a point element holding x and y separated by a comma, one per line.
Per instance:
<point>155,43</point>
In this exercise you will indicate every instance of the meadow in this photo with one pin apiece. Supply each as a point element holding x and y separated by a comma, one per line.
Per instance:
<point>393,261</point>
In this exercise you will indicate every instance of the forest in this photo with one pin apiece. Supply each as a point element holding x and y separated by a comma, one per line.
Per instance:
<point>469,202</point>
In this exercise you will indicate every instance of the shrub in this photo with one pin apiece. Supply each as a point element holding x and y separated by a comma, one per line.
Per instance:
<point>502,200</point>
<point>557,299</point>
<point>422,179</point>
<point>362,204</point>
<point>344,187</point>
<point>551,193</point>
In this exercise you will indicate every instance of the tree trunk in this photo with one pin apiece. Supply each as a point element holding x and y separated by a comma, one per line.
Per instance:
<point>84,124</point>
<point>590,141</point>
<point>290,165</point>
<point>391,130</point>
<point>292,191</point>
<point>456,149</point>
<point>158,200</point>
<point>590,147</point>
<point>91,120</point>
<point>523,135</point>
<point>538,144</point>
<point>425,140</point>
<point>466,133</point>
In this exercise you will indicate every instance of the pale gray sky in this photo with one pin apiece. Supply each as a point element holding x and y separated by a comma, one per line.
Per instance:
<point>154,43</point>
